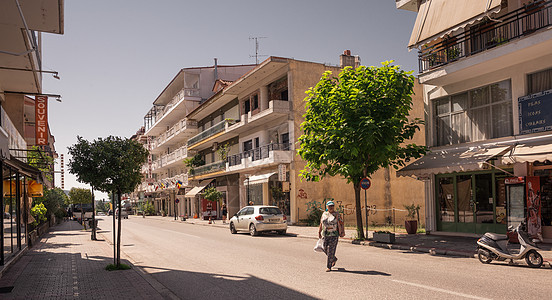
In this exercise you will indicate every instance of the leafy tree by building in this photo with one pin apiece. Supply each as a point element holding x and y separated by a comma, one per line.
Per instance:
<point>357,123</point>
<point>54,200</point>
<point>117,164</point>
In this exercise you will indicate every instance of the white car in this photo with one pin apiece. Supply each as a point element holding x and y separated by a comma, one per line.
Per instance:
<point>259,218</point>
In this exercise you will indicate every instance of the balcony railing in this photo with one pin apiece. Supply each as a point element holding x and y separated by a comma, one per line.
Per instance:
<point>257,153</point>
<point>209,168</point>
<point>217,128</point>
<point>167,159</point>
<point>176,129</point>
<point>15,139</point>
<point>513,25</point>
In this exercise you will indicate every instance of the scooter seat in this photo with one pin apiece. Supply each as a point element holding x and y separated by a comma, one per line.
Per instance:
<point>496,237</point>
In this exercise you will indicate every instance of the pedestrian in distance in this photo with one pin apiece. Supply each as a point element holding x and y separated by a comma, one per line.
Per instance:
<point>224,213</point>
<point>331,227</point>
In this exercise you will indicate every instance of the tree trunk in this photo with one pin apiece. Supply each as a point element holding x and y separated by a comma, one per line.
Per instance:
<point>82,216</point>
<point>93,216</point>
<point>119,229</point>
<point>114,231</point>
<point>360,229</point>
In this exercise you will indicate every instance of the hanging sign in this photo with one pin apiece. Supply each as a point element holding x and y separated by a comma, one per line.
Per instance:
<point>41,120</point>
<point>282,172</point>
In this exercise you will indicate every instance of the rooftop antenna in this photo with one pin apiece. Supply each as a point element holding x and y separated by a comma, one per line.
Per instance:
<point>257,55</point>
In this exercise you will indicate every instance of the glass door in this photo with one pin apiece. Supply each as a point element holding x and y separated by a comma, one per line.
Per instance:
<point>446,204</point>
<point>466,205</point>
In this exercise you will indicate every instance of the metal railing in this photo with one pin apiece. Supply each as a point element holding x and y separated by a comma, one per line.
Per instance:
<point>176,129</point>
<point>257,153</point>
<point>208,168</point>
<point>487,35</point>
<point>219,127</point>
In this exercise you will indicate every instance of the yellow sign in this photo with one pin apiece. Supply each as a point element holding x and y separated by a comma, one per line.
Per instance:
<point>35,189</point>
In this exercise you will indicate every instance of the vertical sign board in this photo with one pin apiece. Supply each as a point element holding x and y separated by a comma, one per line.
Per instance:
<point>282,172</point>
<point>41,120</point>
<point>535,112</point>
<point>534,222</point>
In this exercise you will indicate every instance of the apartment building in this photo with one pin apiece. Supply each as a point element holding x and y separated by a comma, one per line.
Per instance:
<point>167,130</point>
<point>486,69</point>
<point>244,143</point>
<point>20,86</point>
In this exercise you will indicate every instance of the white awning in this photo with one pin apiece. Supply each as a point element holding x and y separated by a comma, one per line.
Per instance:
<point>530,152</point>
<point>437,18</point>
<point>258,178</point>
<point>452,160</point>
<point>197,189</point>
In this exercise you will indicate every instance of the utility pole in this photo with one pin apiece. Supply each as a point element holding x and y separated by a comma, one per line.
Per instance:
<point>257,55</point>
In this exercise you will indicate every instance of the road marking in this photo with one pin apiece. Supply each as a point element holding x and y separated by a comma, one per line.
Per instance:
<point>440,290</point>
<point>186,234</point>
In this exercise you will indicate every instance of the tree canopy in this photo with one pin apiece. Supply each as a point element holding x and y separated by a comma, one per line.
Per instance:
<point>357,123</point>
<point>80,195</point>
<point>53,200</point>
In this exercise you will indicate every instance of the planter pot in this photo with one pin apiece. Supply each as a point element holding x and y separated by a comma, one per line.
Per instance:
<point>388,238</point>
<point>411,226</point>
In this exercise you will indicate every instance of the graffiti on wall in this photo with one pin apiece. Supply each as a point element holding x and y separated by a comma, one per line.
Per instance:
<point>347,209</point>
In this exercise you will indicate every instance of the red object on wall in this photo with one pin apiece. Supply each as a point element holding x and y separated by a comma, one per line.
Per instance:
<point>534,223</point>
<point>41,120</point>
<point>208,208</point>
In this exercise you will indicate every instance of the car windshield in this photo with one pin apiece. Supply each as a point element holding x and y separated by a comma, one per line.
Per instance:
<point>270,211</point>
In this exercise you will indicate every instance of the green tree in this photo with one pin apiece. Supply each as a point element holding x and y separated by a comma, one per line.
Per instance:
<point>39,159</point>
<point>357,123</point>
<point>39,213</point>
<point>53,200</point>
<point>212,194</point>
<point>117,163</point>
<point>84,164</point>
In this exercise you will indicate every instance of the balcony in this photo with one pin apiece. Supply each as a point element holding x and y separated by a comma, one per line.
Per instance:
<point>157,115</point>
<point>266,155</point>
<point>11,138</point>
<point>210,132</point>
<point>167,160</point>
<point>480,38</point>
<point>209,168</point>
<point>177,133</point>
<point>276,109</point>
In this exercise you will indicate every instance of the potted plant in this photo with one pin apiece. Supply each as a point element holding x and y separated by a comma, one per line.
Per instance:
<point>384,237</point>
<point>411,223</point>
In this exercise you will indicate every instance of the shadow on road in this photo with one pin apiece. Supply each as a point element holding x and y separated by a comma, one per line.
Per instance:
<point>199,285</point>
<point>362,272</point>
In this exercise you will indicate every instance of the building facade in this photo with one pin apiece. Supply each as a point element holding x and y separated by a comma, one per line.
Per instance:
<point>242,140</point>
<point>486,69</point>
<point>20,84</point>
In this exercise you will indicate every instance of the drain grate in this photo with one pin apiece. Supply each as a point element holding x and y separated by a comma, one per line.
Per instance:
<point>6,289</point>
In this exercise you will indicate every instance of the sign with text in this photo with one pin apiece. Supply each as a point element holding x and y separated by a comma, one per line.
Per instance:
<point>41,120</point>
<point>535,112</point>
<point>282,170</point>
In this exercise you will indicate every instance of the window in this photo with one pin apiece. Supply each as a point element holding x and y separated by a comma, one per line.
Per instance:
<point>247,145</point>
<point>540,81</point>
<point>257,143</point>
<point>255,102</point>
<point>475,115</point>
<point>270,211</point>
<point>247,106</point>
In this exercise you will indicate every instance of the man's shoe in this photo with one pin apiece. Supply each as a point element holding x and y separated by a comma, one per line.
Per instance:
<point>328,270</point>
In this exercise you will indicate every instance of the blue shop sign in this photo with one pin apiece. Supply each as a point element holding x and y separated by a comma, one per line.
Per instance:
<point>535,112</point>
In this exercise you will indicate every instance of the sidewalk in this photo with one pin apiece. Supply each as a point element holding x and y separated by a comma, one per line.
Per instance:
<point>433,244</point>
<point>66,264</point>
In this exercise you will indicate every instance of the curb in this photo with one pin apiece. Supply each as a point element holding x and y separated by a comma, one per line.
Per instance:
<point>430,250</point>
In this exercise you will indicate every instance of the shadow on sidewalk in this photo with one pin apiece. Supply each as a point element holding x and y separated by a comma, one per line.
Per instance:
<point>199,285</point>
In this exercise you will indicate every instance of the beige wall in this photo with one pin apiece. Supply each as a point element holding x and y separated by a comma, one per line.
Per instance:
<point>387,189</point>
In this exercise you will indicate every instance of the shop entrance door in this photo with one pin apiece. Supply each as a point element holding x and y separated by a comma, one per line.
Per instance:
<point>465,203</point>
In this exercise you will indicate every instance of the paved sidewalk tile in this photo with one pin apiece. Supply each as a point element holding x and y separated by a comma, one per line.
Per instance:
<point>66,264</point>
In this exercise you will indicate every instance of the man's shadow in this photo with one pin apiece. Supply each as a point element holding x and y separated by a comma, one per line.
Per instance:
<point>362,272</point>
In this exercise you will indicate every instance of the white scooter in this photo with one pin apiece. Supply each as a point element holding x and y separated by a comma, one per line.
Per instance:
<point>493,246</point>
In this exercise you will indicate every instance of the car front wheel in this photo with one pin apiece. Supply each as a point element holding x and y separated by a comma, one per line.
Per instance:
<point>252,230</point>
<point>232,228</point>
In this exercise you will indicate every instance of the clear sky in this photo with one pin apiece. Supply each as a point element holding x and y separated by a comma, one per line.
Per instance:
<point>117,56</point>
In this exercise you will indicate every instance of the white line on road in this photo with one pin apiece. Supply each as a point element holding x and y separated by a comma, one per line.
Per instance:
<point>172,231</point>
<point>440,290</point>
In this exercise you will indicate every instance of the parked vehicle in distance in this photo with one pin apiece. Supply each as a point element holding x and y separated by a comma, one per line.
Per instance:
<point>124,213</point>
<point>100,213</point>
<point>259,218</point>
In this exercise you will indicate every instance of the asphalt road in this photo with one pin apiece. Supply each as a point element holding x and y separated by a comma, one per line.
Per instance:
<point>200,262</point>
